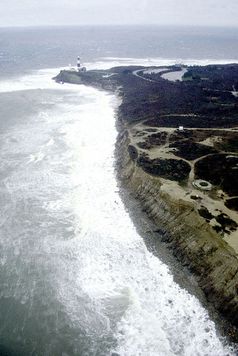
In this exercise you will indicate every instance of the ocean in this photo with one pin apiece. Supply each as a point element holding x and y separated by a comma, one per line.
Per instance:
<point>76,278</point>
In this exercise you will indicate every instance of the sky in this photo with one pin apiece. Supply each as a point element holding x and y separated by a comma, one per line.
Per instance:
<point>119,12</point>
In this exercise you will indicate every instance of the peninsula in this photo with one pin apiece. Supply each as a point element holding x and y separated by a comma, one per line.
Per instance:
<point>177,152</point>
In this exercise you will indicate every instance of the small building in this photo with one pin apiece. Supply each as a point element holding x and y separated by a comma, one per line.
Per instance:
<point>181,128</point>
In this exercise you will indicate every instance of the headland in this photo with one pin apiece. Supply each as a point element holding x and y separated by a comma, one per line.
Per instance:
<point>177,152</point>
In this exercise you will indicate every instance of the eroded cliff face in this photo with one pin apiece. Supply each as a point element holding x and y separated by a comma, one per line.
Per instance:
<point>185,217</point>
<point>193,241</point>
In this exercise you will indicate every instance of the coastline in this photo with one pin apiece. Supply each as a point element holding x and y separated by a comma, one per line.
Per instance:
<point>192,239</point>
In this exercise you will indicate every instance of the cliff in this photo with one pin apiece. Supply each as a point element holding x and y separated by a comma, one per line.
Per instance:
<point>192,240</point>
<point>186,180</point>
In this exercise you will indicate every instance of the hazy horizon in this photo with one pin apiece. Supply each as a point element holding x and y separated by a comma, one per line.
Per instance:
<point>32,13</point>
<point>121,25</point>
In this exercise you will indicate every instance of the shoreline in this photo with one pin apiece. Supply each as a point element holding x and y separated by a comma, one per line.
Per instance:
<point>161,249</point>
<point>192,238</point>
<point>165,212</point>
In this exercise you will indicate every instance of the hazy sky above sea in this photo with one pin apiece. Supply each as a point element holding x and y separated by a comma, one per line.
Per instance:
<point>80,12</point>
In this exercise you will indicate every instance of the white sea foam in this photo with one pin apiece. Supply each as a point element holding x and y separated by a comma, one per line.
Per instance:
<point>130,292</point>
<point>109,62</point>
<point>37,80</point>
<point>40,79</point>
<point>160,318</point>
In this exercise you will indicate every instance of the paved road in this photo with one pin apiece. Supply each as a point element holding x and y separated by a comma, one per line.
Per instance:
<point>135,72</point>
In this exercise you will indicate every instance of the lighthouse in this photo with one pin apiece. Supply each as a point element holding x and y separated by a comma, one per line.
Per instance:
<point>79,67</point>
<point>78,64</point>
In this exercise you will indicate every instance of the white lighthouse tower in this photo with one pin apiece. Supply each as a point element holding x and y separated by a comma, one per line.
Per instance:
<point>79,67</point>
<point>78,64</point>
